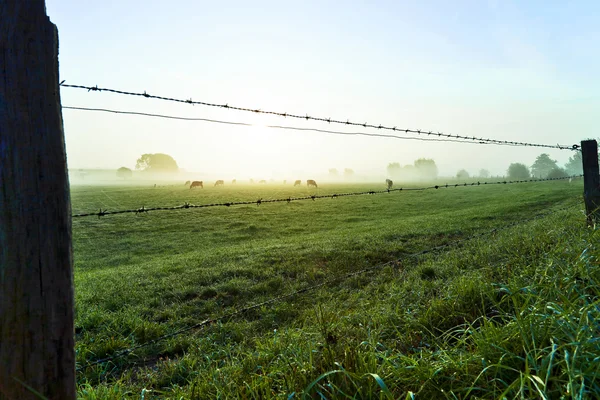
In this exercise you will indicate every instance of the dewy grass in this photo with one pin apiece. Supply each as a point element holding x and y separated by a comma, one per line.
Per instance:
<point>511,314</point>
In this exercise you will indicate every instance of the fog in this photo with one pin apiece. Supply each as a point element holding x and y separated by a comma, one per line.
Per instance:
<point>408,175</point>
<point>505,79</point>
<point>258,152</point>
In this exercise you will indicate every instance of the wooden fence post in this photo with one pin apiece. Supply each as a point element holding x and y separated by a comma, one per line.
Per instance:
<point>36,261</point>
<point>591,180</point>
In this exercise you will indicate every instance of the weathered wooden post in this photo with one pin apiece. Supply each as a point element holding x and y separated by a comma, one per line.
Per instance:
<point>591,180</point>
<point>36,272</point>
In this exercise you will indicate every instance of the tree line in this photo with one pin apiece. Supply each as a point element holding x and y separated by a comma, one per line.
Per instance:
<point>545,167</point>
<point>420,169</point>
<point>157,162</point>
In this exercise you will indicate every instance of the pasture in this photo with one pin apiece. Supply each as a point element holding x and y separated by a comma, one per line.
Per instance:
<point>395,330</point>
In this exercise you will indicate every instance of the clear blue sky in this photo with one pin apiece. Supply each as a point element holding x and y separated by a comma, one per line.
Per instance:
<point>526,71</point>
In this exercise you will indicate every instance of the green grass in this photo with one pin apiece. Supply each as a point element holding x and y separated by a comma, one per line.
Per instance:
<point>509,314</point>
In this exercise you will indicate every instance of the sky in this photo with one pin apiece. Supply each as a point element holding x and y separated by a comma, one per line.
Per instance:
<point>522,71</point>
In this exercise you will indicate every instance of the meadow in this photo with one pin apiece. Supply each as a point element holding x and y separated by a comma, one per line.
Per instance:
<point>502,313</point>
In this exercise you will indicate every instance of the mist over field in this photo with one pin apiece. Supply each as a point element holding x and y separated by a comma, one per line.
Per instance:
<point>420,171</point>
<point>109,177</point>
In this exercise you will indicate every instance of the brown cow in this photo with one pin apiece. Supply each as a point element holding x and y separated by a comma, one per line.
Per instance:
<point>310,183</point>
<point>298,182</point>
<point>389,183</point>
<point>219,183</point>
<point>186,183</point>
<point>197,184</point>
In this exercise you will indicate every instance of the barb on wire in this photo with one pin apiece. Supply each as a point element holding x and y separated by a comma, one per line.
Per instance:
<point>326,282</point>
<point>321,119</point>
<point>288,200</point>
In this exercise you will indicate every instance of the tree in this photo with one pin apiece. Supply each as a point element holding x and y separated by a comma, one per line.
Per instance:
<point>557,173</point>
<point>156,163</point>
<point>543,165</point>
<point>462,174</point>
<point>575,165</point>
<point>394,170</point>
<point>333,172</point>
<point>348,173</point>
<point>518,171</point>
<point>426,168</point>
<point>124,173</point>
<point>484,173</point>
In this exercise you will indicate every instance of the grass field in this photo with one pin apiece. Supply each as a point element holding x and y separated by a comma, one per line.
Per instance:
<point>488,316</point>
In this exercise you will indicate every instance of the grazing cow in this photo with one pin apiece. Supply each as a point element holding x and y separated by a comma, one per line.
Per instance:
<point>389,183</point>
<point>298,182</point>
<point>219,183</point>
<point>262,181</point>
<point>234,182</point>
<point>310,183</point>
<point>186,183</point>
<point>197,184</point>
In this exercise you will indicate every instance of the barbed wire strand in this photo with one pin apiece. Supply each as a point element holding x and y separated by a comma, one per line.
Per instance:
<point>143,209</point>
<point>423,139</point>
<point>320,119</point>
<point>326,282</point>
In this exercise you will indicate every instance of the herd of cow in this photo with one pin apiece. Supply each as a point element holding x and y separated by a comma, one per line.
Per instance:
<point>309,183</point>
<point>220,182</point>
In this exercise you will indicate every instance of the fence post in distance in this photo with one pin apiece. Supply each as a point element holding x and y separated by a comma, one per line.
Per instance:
<point>591,180</point>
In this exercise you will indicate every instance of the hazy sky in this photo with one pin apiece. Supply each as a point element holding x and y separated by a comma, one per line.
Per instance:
<point>526,71</point>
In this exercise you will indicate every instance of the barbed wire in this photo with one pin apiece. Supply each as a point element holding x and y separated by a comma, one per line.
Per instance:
<point>423,139</point>
<point>320,119</point>
<point>335,279</point>
<point>185,206</point>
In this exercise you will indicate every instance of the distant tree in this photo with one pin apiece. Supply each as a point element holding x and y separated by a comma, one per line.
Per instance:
<point>394,170</point>
<point>518,171</point>
<point>333,172</point>
<point>462,174</point>
<point>542,166</point>
<point>348,173</point>
<point>426,168</point>
<point>557,173</point>
<point>124,173</point>
<point>156,163</point>
<point>484,173</point>
<point>575,164</point>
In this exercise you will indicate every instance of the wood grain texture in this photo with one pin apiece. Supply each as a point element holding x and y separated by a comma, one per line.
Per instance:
<point>36,261</point>
<point>591,180</point>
